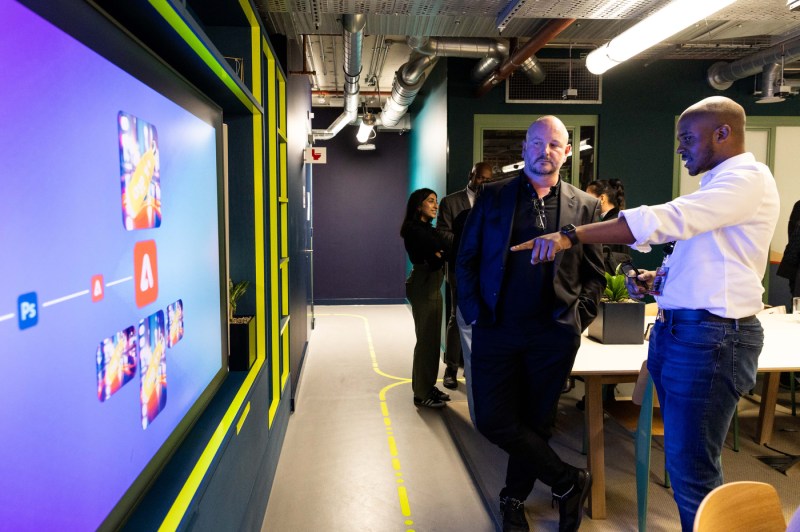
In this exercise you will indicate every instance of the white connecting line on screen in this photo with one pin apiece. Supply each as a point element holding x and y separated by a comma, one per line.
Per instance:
<point>4,317</point>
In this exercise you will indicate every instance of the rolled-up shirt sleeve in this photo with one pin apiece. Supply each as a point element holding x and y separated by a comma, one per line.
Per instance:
<point>725,199</point>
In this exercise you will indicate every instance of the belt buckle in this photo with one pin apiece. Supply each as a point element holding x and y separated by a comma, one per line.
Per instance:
<point>660,315</point>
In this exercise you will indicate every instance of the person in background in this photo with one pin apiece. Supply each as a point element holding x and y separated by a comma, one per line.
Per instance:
<point>527,320</point>
<point>611,194</point>
<point>450,208</point>
<point>704,346</point>
<point>425,250</point>
<point>789,268</point>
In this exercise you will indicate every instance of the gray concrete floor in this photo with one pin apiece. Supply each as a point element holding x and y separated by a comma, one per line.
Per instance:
<point>358,454</point>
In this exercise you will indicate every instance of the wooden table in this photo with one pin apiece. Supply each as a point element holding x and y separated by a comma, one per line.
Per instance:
<point>600,364</point>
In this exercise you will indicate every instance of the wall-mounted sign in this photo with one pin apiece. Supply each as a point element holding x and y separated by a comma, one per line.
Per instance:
<point>315,155</point>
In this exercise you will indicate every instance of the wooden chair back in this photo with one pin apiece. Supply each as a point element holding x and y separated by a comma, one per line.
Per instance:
<point>741,506</point>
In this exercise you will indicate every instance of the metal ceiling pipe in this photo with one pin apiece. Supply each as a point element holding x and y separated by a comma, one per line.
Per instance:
<point>548,33</point>
<point>353,36</point>
<point>722,75</point>
<point>533,69</point>
<point>407,82</point>
<point>769,78</point>
<point>491,51</point>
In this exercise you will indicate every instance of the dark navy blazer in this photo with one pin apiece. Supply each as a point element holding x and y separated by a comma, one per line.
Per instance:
<point>578,278</point>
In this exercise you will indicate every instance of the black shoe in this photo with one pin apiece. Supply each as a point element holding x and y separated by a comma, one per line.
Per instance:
<point>512,511</point>
<point>431,401</point>
<point>439,394</point>
<point>569,384</point>
<point>449,380</point>
<point>570,503</point>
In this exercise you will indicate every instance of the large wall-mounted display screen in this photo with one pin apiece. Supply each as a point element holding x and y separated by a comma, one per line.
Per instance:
<point>111,327</point>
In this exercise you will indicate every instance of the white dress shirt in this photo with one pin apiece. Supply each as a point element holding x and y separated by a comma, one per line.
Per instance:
<point>471,195</point>
<point>723,232</point>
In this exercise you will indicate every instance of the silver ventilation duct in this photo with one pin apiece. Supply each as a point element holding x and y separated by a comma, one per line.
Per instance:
<point>426,51</point>
<point>769,79</point>
<point>353,35</point>
<point>407,82</point>
<point>491,51</point>
<point>722,75</point>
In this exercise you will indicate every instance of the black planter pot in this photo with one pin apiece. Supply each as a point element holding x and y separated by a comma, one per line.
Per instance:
<point>242,344</point>
<point>618,323</point>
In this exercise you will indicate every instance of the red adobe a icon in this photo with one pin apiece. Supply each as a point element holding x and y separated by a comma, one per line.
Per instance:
<point>145,272</point>
<point>98,288</point>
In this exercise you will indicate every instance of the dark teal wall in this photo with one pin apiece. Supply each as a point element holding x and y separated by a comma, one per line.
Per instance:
<point>428,151</point>
<point>636,120</point>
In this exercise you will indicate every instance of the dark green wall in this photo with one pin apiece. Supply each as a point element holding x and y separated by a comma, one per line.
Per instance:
<point>636,120</point>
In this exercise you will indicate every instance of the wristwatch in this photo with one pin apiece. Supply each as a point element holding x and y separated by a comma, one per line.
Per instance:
<point>569,232</point>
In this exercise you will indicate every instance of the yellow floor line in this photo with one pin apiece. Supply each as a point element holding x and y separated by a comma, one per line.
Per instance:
<point>402,492</point>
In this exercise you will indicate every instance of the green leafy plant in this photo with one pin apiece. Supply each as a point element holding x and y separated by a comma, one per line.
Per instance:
<point>235,292</point>
<point>616,291</point>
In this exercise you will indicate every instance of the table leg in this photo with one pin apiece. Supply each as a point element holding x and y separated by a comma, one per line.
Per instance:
<point>596,449</point>
<point>766,412</point>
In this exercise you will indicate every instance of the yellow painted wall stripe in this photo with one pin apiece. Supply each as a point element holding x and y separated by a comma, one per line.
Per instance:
<point>255,47</point>
<point>187,34</point>
<point>273,240</point>
<point>240,423</point>
<point>185,496</point>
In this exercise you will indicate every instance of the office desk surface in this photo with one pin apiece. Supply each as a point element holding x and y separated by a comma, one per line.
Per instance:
<point>602,364</point>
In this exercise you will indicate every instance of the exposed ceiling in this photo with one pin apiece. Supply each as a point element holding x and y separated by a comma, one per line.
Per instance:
<point>737,31</point>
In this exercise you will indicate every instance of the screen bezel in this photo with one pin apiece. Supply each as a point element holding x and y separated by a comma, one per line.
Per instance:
<point>92,27</point>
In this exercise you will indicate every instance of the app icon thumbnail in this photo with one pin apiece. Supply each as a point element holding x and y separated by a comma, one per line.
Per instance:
<point>174,323</point>
<point>27,310</point>
<point>139,173</point>
<point>152,367</point>
<point>116,362</point>
<point>145,272</point>
<point>98,288</point>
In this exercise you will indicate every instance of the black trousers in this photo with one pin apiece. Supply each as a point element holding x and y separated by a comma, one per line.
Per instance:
<point>453,357</point>
<point>517,376</point>
<point>423,290</point>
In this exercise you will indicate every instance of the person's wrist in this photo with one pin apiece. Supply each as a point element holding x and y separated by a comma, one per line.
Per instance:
<point>569,231</point>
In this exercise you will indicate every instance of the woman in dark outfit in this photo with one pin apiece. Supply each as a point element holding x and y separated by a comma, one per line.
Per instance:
<point>611,194</point>
<point>423,290</point>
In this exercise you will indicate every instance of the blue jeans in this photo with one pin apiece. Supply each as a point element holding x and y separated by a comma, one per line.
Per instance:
<point>700,369</point>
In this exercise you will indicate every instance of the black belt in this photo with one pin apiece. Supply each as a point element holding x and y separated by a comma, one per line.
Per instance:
<point>681,315</point>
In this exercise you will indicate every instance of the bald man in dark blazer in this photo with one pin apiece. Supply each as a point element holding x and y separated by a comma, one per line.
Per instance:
<point>527,320</point>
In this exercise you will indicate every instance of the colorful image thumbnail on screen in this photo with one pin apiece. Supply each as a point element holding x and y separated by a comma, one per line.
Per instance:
<point>139,173</point>
<point>152,367</point>
<point>174,323</point>
<point>116,362</point>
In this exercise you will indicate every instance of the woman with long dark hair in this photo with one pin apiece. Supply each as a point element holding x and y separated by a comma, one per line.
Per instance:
<point>611,194</point>
<point>423,290</point>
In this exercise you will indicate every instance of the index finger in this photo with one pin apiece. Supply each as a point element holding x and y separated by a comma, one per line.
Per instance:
<point>522,246</point>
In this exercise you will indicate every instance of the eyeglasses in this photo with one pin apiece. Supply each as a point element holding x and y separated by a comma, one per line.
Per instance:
<point>541,219</point>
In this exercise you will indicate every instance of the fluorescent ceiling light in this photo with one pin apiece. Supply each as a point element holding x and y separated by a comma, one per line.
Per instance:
<point>668,21</point>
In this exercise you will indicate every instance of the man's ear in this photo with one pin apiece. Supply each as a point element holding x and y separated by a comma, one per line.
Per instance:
<point>722,133</point>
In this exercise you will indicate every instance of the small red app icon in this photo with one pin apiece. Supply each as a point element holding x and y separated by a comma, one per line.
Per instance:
<point>97,289</point>
<point>145,272</point>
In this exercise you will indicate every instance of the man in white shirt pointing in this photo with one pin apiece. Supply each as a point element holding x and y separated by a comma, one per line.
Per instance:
<point>705,344</point>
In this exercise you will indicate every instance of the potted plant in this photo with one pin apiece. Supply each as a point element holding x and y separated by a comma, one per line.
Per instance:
<point>620,319</point>
<point>241,330</point>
